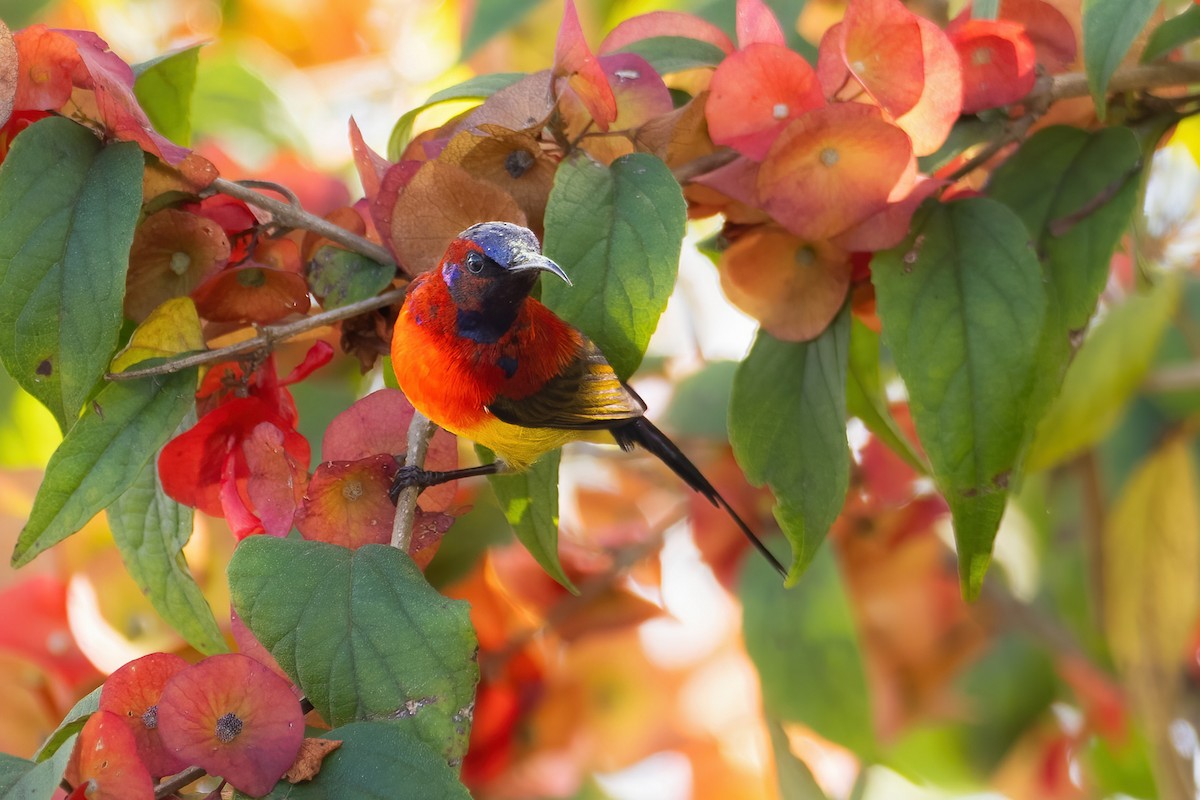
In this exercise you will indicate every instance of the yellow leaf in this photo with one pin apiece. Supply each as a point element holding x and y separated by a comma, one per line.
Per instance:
<point>171,329</point>
<point>1187,133</point>
<point>1151,552</point>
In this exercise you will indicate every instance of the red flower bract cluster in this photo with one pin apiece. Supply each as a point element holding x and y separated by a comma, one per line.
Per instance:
<point>244,459</point>
<point>229,714</point>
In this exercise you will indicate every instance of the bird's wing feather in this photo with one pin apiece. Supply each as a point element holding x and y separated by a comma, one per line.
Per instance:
<point>586,394</point>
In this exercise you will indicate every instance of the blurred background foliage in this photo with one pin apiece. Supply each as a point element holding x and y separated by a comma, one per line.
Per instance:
<point>873,659</point>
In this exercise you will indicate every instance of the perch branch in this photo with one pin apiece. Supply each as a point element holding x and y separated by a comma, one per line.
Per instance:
<point>291,215</point>
<point>266,338</point>
<point>420,431</point>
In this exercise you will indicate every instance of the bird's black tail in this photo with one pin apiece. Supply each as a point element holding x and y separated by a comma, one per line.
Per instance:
<point>642,432</point>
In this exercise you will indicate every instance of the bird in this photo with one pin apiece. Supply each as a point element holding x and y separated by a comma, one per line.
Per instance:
<point>481,358</point>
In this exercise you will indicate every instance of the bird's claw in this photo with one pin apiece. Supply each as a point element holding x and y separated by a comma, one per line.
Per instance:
<point>407,477</point>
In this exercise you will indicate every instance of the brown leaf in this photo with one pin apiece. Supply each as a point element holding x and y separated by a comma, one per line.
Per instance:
<point>520,107</point>
<point>679,136</point>
<point>308,762</point>
<point>441,201</point>
<point>8,73</point>
<point>512,160</point>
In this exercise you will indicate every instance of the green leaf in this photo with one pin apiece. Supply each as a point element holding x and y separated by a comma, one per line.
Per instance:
<point>804,645</point>
<point>479,87</point>
<point>1109,28</point>
<point>1075,192</point>
<point>376,760</point>
<point>796,781</point>
<point>164,89</point>
<point>103,454</point>
<point>795,392</point>
<point>150,530</point>
<point>68,206</point>
<point>866,399</point>
<point>963,307</point>
<point>40,782</point>
<point>71,724</point>
<point>362,633</point>
<point>1105,375</point>
<point>529,501</point>
<point>1173,33</point>
<point>669,54</point>
<point>11,771</point>
<point>340,277</point>
<point>700,403</point>
<point>617,232</point>
<point>491,18</point>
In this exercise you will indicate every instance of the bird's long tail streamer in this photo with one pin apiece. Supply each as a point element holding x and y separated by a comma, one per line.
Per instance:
<point>643,433</point>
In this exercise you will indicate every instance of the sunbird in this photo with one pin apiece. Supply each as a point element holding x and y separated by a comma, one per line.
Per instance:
<point>478,356</point>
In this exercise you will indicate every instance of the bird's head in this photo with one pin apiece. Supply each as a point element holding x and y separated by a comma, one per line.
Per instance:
<point>489,269</point>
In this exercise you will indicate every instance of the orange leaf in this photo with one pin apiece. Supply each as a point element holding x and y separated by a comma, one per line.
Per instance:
<point>678,136</point>
<point>794,288</point>
<point>888,227</point>
<point>756,24</point>
<point>640,94</point>
<point>308,762</point>
<point>832,168</point>
<point>131,693</point>
<point>928,123</point>
<point>878,44</point>
<point>755,93</point>
<point>574,60</point>
<point>251,294</point>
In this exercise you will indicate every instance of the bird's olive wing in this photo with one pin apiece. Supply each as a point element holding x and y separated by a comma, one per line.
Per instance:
<point>587,394</point>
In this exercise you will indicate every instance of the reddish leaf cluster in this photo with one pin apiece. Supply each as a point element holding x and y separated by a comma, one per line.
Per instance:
<point>74,73</point>
<point>228,714</point>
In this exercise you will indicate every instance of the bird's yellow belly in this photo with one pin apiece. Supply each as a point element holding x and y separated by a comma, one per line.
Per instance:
<point>519,447</point>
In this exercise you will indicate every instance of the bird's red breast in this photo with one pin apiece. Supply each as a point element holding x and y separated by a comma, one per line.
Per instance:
<point>452,378</point>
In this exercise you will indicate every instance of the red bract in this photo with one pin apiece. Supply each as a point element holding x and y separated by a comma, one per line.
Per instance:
<point>574,61</point>
<point>664,23</point>
<point>132,693</point>
<point>109,767</point>
<point>276,479</point>
<point>226,465</point>
<point>56,62</point>
<point>378,424</point>
<point>236,219</point>
<point>832,168</point>
<point>18,122</point>
<point>370,165</point>
<point>252,293</point>
<point>998,62</point>
<point>347,502</point>
<point>1047,28</point>
<point>756,24</point>
<point>235,718</point>
<point>755,93</point>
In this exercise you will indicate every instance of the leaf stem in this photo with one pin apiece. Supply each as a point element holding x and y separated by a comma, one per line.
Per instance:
<point>420,431</point>
<point>266,338</point>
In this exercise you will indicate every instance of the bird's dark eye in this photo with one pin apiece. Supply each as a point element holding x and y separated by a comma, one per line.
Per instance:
<point>475,262</point>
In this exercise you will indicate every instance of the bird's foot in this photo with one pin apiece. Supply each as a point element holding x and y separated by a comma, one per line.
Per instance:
<point>407,477</point>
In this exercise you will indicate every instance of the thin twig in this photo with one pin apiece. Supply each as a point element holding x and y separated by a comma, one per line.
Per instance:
<point>293,216</point>
<point>703,165</point>
<point>420,431</point>
<point>266,338</point>
<point>170,787</point>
